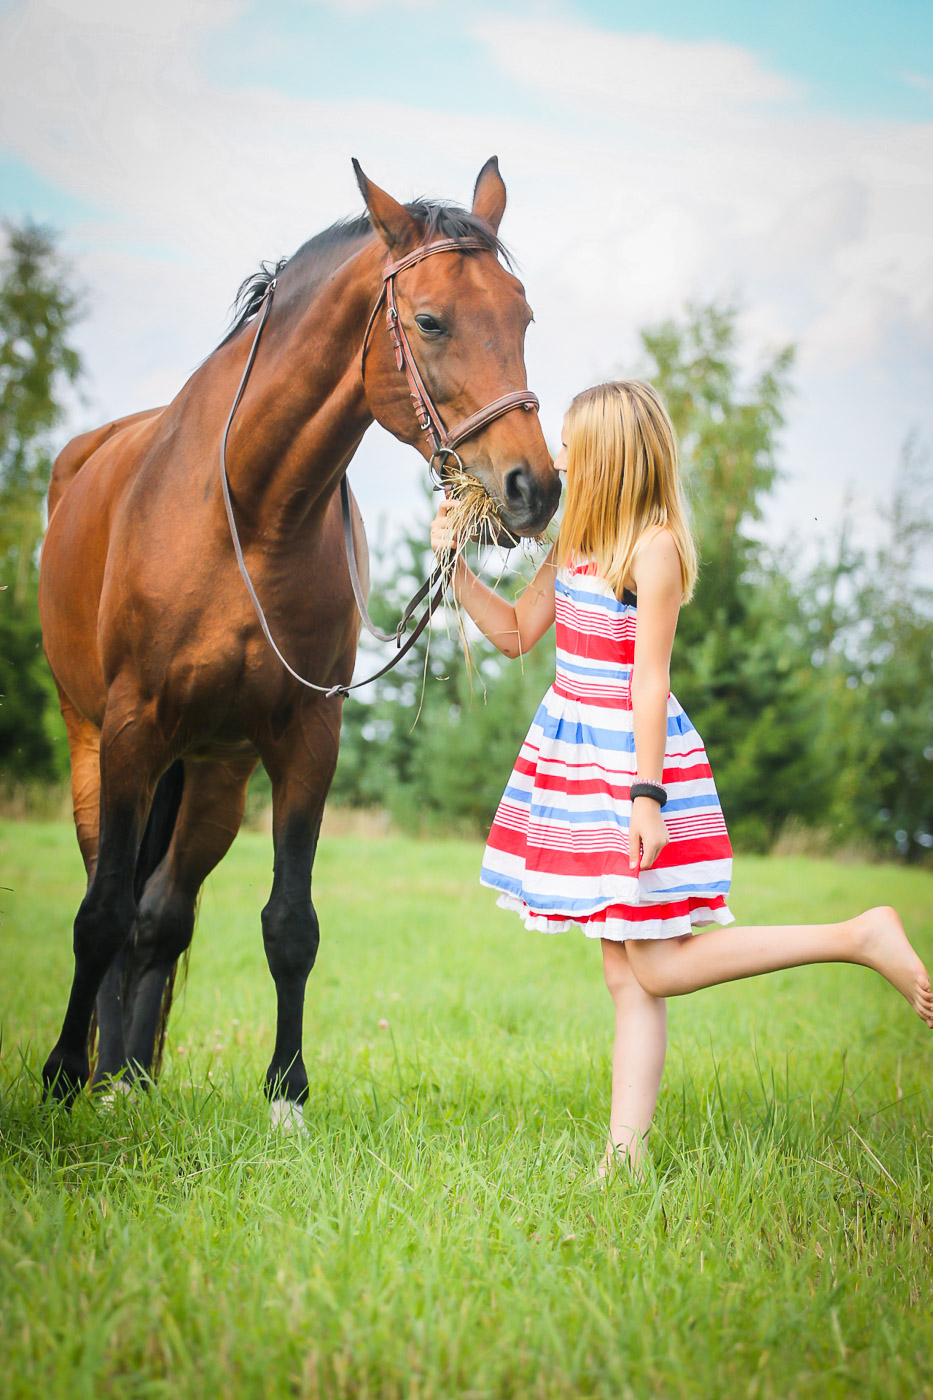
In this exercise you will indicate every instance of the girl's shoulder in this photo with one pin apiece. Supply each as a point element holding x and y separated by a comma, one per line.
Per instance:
<point>655,540</point>
<point>656,548</point>
<point>657,561</point>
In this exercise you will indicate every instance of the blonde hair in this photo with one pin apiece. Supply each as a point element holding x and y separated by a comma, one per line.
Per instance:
<point>622,479</point>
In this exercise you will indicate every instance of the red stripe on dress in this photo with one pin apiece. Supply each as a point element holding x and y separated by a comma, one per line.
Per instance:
<point>602,651</point>
<point>601,787</point>
<point>601,767</point>
<point>584,860</point>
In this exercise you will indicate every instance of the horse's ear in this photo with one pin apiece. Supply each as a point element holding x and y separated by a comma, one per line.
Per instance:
<point>390,219</point>
<point>489,194</point>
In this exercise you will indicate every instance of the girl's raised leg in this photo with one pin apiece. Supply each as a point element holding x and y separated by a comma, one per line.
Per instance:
<point>875,939</point>
<point>637,1060</point>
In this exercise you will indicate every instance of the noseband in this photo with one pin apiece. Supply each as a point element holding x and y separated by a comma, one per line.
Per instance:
<point>443,444</point>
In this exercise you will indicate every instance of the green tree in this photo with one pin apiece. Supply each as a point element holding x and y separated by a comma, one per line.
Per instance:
<point>871,616</point>
<point>39,307</point>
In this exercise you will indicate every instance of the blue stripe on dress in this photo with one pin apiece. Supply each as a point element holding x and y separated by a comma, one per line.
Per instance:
<point>597,600</point>
<point>565,904</point>
<point>619,740</point>
<point>604,815</point>
<point>616,673</point>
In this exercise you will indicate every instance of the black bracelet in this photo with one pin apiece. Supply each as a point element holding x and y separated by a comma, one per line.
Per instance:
<point>652,790</point>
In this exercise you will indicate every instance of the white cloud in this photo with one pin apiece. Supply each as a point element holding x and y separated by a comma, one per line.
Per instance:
<point>922,82</point>
<point>629,76</point>
<point>661,172</point>
<point>368,7</point>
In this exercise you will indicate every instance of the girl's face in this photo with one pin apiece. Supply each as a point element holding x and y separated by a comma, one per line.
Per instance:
<point>560,461</point>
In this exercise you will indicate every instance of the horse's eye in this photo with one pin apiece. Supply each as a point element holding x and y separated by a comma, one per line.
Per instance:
<point>427,323</point>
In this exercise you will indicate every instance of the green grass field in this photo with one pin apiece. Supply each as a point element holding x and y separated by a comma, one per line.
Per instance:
<point>438,1235</point>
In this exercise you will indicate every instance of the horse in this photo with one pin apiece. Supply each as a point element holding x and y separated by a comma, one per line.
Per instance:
<point>169,684</point>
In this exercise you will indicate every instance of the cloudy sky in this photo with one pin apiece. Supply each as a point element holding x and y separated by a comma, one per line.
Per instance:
<point>781,155</point>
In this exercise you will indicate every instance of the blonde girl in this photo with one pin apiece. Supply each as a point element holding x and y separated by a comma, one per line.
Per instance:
<point>611,820</point>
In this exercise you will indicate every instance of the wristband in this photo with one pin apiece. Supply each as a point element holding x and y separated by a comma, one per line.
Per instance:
<point>655,791</point>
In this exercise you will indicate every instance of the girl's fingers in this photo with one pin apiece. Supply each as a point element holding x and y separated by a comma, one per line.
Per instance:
<point>652,851</point>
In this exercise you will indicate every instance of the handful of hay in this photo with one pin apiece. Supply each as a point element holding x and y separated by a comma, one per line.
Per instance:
<point>474,517</point>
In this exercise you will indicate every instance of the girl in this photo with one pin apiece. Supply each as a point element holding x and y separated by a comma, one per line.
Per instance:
<point>611,818</point>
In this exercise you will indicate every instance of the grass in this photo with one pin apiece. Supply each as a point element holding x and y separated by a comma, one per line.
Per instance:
<point>437,1235</point>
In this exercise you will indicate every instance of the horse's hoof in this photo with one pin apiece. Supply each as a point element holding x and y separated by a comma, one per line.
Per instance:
<point>286,1116</point>
<point>106,1089</point>
<point>64,1076</point>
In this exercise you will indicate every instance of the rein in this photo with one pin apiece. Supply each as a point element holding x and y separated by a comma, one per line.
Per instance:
<point>443,444</point>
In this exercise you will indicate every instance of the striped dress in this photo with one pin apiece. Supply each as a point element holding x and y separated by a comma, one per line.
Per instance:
<point>558,849</point>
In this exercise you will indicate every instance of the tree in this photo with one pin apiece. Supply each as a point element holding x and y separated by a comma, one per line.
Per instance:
<point>39,307</point>
<point>871,616</point>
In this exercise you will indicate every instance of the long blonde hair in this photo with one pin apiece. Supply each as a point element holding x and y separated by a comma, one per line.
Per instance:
<point>622,479</point>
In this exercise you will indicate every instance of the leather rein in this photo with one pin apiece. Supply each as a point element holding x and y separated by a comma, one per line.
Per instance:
<point>443,445</point>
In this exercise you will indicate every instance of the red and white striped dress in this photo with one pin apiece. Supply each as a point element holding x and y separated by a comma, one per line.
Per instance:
<point>558,849</point>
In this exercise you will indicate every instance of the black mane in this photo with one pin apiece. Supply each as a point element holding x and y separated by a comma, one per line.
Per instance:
<point>328,248</point>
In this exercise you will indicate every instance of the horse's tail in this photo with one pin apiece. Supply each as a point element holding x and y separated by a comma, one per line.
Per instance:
<point>163,813</point>
<point>164,1010</point>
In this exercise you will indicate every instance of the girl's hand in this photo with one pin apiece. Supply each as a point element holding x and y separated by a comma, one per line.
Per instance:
<point>647,834</point>
<point>442,536</point>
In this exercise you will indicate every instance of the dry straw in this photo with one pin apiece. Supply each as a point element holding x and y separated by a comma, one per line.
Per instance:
<point>474,518</point>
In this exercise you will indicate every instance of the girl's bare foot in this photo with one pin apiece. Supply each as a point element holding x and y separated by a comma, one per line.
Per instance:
<point>884,945</point>
<point>618,1160</point>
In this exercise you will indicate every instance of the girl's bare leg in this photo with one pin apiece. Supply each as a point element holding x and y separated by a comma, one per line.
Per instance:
<point>637,1060</point>
<point>672,966</point>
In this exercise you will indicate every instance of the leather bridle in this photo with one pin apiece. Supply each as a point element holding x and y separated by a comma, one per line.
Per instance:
<point>441,442</point>
<point>443,445</point>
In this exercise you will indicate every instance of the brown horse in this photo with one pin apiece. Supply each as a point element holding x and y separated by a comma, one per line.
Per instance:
<point>170,692</point>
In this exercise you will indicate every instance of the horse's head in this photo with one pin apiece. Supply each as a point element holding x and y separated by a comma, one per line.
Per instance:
<point>464,316</point>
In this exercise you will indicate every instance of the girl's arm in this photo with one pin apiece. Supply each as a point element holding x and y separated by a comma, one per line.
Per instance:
<point>656,571</point>
<point>512,627</point>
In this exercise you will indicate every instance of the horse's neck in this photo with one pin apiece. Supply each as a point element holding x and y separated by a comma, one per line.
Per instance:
<point>304,411</point>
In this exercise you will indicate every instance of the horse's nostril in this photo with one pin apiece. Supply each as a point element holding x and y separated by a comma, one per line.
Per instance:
<point>519,490</point>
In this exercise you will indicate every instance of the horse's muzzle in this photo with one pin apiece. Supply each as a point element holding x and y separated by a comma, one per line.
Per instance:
<point>526,503</point>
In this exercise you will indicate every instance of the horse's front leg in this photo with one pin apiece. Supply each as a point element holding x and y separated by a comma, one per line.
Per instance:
<point>131,758</point>
<point>301,766</point>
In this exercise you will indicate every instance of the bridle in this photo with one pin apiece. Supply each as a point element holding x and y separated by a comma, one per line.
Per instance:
<point>443,445</point>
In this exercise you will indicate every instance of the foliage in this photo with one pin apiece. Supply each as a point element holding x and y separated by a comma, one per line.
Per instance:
<point>38,310</point>
<point>870,616</point>
<point>438,1233</point>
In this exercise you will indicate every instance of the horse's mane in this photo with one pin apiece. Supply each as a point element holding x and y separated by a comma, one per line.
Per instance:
<point>328,249</point>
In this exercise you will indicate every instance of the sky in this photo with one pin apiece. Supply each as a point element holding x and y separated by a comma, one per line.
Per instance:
<point>777,156</point>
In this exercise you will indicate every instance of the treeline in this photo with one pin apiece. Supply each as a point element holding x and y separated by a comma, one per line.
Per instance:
<point>811,685</point>
<point>39,308</point>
